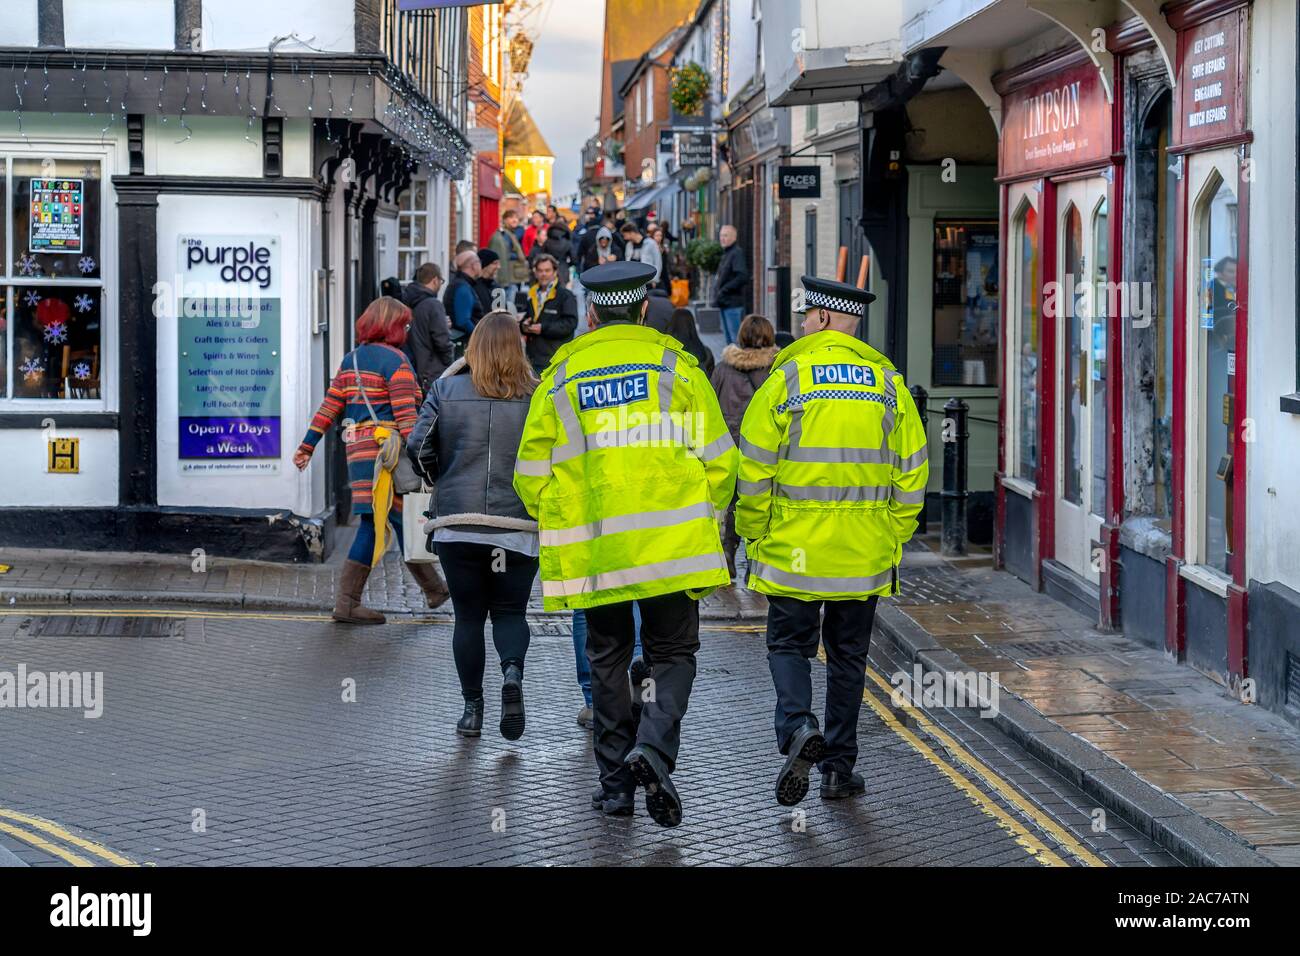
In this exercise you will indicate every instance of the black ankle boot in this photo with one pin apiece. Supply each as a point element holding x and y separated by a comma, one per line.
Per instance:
<point>471,722</point>
<point>512,702</point>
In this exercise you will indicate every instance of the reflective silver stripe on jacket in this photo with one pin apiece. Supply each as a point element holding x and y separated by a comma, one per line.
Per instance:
<point>532,469</point>
<point>667,380</point>
<point>753,488</point>
<point>715,448</point>
<point>833,492</point>
<point>838,456</point>
<point>909,497</point>
<point>757,452</point>
<point>575,440</point>
<point>913,461</point>
<point>641,521</point>
<point>642,574</point>
<point>806,582</point>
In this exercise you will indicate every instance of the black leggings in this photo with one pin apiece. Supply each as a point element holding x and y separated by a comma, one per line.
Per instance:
<point>484,579</point>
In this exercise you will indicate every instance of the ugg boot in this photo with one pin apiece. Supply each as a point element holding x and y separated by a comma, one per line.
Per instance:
<point>430,581</point>
<point>347,605</point>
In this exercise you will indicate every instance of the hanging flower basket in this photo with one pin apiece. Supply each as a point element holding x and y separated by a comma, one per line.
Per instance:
<point>690,88</point>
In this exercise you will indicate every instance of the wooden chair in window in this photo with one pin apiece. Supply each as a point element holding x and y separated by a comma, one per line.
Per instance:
<point>70,385</point>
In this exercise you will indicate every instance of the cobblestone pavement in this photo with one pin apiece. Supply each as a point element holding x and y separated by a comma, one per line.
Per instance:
<point>1178,730</point>
<point>238,719</point>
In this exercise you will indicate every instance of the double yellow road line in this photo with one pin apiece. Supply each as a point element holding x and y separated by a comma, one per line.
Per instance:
<point>43,835</point>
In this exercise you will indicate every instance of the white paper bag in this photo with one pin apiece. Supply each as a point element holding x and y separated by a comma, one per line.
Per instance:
<point>413,537</point>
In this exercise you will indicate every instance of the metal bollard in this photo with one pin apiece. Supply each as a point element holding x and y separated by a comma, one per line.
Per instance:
<point>922,399</point>
<point>955,435</point>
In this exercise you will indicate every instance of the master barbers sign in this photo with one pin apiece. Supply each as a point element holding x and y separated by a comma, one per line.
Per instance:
<point>694,149</point>
<point>799,182</point>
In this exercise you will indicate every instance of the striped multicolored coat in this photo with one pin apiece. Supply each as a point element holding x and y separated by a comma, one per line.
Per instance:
<point>391,386</point>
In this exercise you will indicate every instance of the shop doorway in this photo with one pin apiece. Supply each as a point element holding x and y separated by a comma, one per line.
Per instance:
<point>1212,252</point>
<point>1080,305</point>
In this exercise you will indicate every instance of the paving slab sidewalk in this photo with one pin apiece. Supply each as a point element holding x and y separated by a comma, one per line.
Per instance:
<point>1212,779</point>
<point>38,576</point>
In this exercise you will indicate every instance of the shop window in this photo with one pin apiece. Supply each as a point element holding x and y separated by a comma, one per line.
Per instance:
<point>1215,340</point>
<point>413,229</point>
<point>966,310</point>
<point>52,286</point>
<point>1097,366</point>
<point>1075,364</point>
<point>1024,360</point>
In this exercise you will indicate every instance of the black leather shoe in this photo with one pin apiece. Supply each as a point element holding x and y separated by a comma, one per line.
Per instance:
<point>613,804</point>
<point>512,703</point>
<point>471,722</point>
<point>661,800</point>
<point>807,747</point>
<point>837,785</point>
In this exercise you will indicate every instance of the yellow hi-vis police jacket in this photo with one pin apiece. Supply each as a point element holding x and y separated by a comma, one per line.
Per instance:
<point>833,469</point>
<point>628,467</point>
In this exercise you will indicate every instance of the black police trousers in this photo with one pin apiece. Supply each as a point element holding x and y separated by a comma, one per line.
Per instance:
<point>670,638</point>
<point>794,629</point>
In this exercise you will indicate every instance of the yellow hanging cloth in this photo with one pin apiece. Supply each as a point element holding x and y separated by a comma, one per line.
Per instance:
<point>389,441</point>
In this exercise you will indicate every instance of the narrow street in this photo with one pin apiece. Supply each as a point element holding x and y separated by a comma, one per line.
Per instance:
<point>236,720</point>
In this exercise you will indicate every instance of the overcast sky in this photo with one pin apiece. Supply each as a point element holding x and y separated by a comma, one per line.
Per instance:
<point>563,86</point>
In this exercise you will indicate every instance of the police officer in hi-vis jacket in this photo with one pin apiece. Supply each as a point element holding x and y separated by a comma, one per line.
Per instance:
<point>627,465</point>
<point>833,470</point>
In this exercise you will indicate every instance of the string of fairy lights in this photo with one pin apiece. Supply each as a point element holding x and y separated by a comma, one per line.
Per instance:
<point>424,135</point>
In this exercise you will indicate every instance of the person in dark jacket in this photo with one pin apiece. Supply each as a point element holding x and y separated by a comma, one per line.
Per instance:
<point>463,308</point>
<point>682,327</point>
<point>550,313</point>
<point>558,246</point>
<point>733,281</point>
<point>428,341</point>
<point>659,310</point>
<point>745,366</point>
<point>485,286</point>
<point>464,442</point>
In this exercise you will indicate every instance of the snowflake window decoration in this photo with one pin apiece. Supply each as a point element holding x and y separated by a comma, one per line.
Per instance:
<point>84,303</point>
<point>32,370</point>
<point>28,266</point>
<point>86,264</point>
<point>32,298</point>
<point>81,370</point>
<point>56,333</point>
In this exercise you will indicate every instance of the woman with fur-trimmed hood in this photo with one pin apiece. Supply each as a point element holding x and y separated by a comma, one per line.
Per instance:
<point>744,367</point>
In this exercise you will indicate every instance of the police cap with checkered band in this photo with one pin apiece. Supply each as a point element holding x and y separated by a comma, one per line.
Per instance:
<point>617,283</point>
<point>834,296</point>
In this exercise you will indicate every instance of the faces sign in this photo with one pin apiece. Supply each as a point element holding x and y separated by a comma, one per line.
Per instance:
<point>1055,123</point>
<point>228,341</point>
<point>799,182</point>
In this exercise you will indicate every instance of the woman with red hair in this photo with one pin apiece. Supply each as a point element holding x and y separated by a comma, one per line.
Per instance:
<point>374,376</point>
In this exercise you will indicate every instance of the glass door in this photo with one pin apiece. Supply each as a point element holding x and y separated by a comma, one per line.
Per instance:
<point>1212,252</point>
<point>1080,305</point>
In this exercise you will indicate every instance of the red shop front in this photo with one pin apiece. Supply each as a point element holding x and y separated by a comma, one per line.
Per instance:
<point>1061,481</point>
<point>1058,189</point>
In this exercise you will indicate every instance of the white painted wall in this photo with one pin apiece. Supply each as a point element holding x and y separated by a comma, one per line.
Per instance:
<point>1273,495</point>
<point>291,220</point>
<point>216,148</point>
<point>27,484</point>
<point>742,45</point>
<point>18,26</point>
<point>326,25</point>
<point>121,24</point>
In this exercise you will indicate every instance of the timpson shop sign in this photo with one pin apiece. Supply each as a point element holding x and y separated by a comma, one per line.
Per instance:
<point>1055,123</point>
